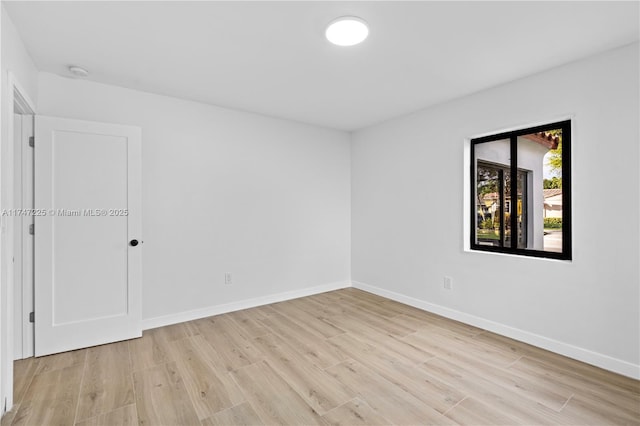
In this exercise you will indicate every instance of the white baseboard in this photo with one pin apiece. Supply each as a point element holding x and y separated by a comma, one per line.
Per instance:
<point>594,358</point>
<point>208,311</point>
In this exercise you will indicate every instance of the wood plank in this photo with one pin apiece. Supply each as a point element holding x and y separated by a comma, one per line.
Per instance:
<point>150,350</point>
<point>553,397</point>
<point>448,343</point>
<point>401,348</point>
<point>314,323</point>
<point>582,411</point>
<point>23,372</point>
<point>179,331</point>
<point>353,413</point>
<point>496,396</point>
<point>361,302</point>
<point>247,320</point>
<point>544,393</point>
<point>52,397</point>
<point>337,297</point>
<point>123,416</point>
<point>443,325</point>
<point>107,382</point>
<point>508,344</point>
<point>317,388</point>
<point>239,415</point>
<point>324,308</point>
<point>411,322</point>
<point>557,361</point>
<point>210,388</point>
<point>385,398</point>
<point>412,311</point>
<point>161,397</point>
<point>616,399</point>
<point>317,351</point>
<point>228,340</point>
<point>383,324</point>
<point>272,398</point>
<point>430,391</point>
<point>263,312</point>
<point>473,412</point>
<point>60,361</point>
<point>580,369</point>
<point>420,317</point>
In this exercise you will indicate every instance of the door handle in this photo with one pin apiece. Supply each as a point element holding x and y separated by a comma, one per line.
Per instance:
<point>133,243</point>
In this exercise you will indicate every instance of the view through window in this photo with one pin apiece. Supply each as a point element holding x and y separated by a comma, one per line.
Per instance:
<point>520,186</point>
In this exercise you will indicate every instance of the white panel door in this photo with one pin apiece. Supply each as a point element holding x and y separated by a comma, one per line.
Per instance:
<point>87,234</point>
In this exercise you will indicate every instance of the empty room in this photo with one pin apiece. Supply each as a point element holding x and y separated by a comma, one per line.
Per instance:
<point>320,212</point>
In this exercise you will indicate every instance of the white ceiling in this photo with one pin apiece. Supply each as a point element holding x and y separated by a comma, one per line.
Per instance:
<point>272,58</point>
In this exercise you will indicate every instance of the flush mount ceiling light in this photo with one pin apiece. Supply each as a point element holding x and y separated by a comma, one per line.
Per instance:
<point>347,31</point>
<point>78,71</point>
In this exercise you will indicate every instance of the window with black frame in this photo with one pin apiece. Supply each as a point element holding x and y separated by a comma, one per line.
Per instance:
<point>521,192</point>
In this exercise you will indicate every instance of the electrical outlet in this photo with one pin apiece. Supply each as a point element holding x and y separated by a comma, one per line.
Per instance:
<point>448,283</point>
<point>228,280</point>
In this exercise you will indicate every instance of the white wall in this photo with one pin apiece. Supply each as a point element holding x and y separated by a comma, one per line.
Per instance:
<point>408,210</point>
<point>15,59</point>
<point>224,191</point>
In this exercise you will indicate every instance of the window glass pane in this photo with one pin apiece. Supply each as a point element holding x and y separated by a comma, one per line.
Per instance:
<point>488,206</point>
<point>492,187</point>
<point>521,209</point>
<point>540,175</point>
<point>506,212</point>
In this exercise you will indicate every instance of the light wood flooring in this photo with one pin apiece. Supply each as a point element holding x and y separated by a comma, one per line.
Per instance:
<point>343,357</point>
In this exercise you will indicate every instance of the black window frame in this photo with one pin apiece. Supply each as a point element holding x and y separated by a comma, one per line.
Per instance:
<point>566,253</point>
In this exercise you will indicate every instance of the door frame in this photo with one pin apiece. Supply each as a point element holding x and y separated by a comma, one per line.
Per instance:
<point>19,101</point>
<point>23,254</point>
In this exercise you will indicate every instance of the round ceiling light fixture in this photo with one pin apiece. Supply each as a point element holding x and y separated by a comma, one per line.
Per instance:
<point>347,31</point>
<point>78,71</point>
